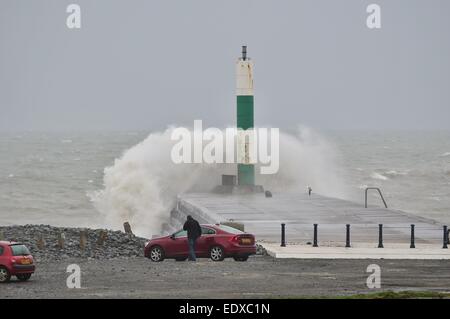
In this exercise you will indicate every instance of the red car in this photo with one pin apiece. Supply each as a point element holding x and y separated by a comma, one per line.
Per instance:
<point>216,242</point>
<point>15,260</point>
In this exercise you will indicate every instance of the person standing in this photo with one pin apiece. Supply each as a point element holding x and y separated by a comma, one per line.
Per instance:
<point>194,231</point>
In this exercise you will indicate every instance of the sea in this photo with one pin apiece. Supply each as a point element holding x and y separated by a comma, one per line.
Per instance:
<point>101,179</point>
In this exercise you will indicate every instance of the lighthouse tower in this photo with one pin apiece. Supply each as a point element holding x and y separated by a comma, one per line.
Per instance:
<point>244,102</point>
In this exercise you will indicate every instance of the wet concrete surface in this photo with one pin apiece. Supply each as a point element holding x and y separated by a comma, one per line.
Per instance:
<point>263,217</point>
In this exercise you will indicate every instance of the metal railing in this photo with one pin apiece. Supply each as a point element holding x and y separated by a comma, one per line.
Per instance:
<point>445,235</point>
<point>379,192</point>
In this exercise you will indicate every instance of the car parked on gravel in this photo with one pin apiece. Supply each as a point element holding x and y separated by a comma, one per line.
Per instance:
<point>15,260</point>
<point>216,242</point>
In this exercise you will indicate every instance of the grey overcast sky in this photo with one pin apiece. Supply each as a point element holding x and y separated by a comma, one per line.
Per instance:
<point>143,65</point>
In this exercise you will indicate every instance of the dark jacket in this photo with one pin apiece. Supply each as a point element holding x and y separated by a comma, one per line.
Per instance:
<point>193,228</point>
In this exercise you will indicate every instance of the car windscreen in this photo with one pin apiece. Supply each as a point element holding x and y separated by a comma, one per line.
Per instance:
<point>230,230</point>
<point>19,250</point>
<point>181,233</point>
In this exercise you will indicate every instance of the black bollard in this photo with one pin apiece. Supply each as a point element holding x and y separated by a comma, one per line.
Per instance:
<point>315,236</point>
<point>283,235</point>
<point>380,236</point>
<point>347,237</point>
<point>413,245</point>
<point>445,237</point>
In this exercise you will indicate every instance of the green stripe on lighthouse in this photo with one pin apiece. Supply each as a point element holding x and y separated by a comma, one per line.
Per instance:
<point>245,120</point>
<point>245,111</point>
<point>246,174</point>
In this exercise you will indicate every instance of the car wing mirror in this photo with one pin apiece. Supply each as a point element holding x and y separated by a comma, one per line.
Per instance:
<point>172,236</point>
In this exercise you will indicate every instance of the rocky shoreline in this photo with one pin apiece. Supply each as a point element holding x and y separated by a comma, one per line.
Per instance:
<point>54,243</point>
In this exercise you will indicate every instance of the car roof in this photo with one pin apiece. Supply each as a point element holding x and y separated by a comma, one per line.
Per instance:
<point>9,243</point>
<point>216,226</point>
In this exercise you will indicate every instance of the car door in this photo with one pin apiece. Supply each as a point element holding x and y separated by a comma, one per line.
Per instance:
<point>205,241</point>
<point>2,258</point>
<point>178,244</point>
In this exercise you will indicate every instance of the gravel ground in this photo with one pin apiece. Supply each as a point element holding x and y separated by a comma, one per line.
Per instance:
<point>259,277</point>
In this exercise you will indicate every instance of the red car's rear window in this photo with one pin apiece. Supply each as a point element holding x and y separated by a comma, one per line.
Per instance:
<point>230,230</point>
<point>20,250</point>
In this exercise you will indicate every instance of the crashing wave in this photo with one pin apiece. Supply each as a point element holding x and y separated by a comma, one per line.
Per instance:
<point>378,176</point>
<point>141,187</point>
<point>393,173</point>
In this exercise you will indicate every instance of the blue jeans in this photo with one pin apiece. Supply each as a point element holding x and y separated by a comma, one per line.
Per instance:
<point>191,242</point>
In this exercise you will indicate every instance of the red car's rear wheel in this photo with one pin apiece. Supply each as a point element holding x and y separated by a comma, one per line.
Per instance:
<point>5,276</point>
<point>216,253</point>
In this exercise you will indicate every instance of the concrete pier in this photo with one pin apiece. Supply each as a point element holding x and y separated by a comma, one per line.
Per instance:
<point>263,216</point>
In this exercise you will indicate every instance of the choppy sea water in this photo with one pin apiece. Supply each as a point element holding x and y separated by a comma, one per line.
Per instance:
<point>48,177</point>
<point>411,168</point>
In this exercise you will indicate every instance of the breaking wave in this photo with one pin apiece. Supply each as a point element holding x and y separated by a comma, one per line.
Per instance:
<point>378,176</point>
<point>386,175</point>
<point>142,185</point>
<point>394,173</point>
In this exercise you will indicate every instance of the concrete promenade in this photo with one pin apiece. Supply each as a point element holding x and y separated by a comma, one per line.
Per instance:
<point>425,252</point>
